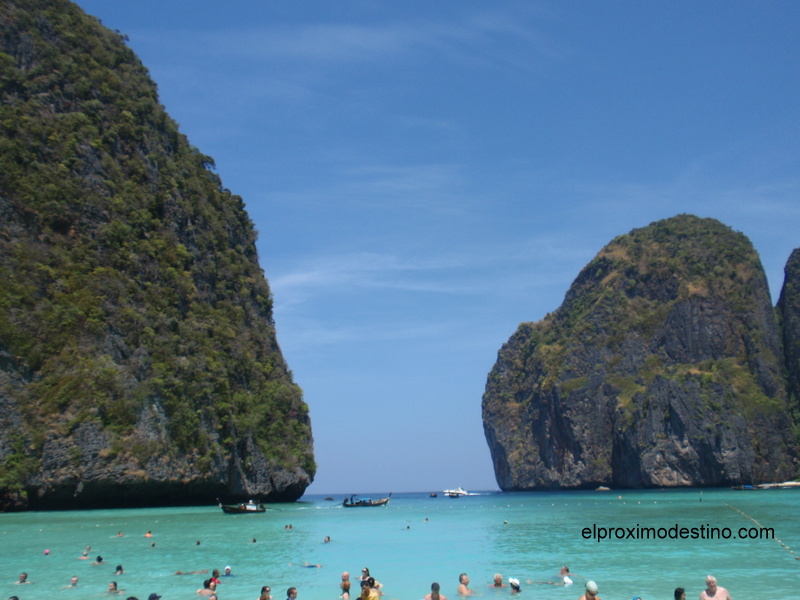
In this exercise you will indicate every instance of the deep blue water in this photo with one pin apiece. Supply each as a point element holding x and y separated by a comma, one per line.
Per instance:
<point>413,541</point>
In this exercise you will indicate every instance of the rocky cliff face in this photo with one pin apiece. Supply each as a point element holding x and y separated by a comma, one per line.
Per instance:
<point>789,311</point>
<point>663,367</point>
<point>138,358</point>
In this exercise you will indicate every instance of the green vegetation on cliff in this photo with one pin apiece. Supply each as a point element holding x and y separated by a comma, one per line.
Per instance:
<point>665,339</point>
<point>634,283</point>
<point>130,276</point>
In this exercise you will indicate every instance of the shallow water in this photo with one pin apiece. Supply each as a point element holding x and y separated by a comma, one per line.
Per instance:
<point>410,543</point>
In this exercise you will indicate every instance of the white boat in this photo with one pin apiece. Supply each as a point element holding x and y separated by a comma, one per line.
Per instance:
<point>456,493</point>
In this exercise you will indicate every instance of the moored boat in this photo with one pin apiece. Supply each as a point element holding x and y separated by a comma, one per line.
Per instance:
<point>242,509</point>
<point>353,502</point>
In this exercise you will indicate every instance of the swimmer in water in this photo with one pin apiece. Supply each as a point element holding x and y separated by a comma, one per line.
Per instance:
<point>113,589</point>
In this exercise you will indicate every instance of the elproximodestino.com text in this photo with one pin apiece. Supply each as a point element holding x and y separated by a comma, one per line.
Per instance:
<point>676,532</point>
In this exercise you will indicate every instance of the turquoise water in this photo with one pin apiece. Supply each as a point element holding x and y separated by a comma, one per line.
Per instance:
<point>410,543</point>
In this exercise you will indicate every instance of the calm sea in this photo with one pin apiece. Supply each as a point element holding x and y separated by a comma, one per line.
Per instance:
<point>414,541</point>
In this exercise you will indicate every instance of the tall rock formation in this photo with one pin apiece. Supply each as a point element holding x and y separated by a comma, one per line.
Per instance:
<point>789,312</point>
<point>663,367</point>
<point>138,358</point>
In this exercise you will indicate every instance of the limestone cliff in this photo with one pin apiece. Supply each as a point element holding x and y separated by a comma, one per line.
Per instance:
<point>789,311</point>
<point>663,367</point>
<point>138,358</point>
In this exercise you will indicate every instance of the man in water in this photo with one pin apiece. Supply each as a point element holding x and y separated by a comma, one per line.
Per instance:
<point>591,592</point>
<point>208,589</point>
<point>291,593</point>
<point>113,589</point>
<point>713,591</point>
<point>564,575</point>
<point>265,591</point>
<point>435,595</point>
<point>463,585</point>
<point>23,578</point>
<point>498,581</point>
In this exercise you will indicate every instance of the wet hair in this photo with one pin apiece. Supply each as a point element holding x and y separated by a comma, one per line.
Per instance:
<point>679,592</point>
<point>435,591</point>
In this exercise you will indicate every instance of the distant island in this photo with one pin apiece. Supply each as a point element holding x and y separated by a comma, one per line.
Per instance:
<point>666,365</point>
<point>138,359</point>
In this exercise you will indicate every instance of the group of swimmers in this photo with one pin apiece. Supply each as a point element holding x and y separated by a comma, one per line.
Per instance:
<point>113,587</point>
<point>712,591</point>
<point>371,589</point>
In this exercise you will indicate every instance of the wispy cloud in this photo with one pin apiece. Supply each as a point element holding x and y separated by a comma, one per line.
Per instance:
<point>481,270</point>
<point>486,36</point>
<point>354,271</point>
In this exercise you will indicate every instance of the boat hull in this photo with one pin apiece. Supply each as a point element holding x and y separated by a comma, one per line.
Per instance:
<point>242,509</point>
<point>352,503</point>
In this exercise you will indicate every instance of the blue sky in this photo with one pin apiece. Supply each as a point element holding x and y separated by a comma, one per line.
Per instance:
<point>424,176</point>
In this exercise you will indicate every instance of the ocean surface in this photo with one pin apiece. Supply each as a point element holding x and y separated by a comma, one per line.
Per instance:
<point>416,540</point>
